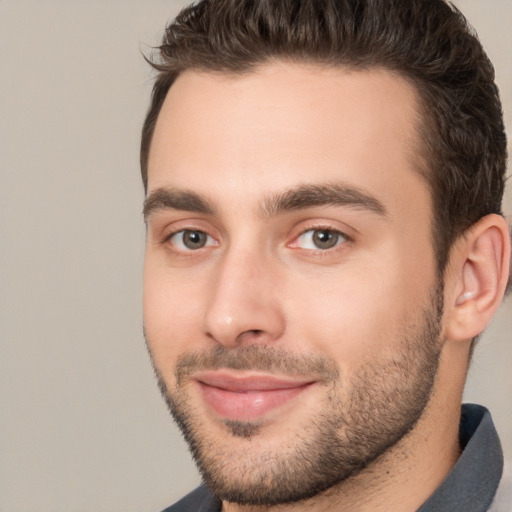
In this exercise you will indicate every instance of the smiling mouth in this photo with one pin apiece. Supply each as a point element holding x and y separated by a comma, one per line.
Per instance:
<point>242,397</point>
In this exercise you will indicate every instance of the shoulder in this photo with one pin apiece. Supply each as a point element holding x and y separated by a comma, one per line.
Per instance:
<point>199,500</point>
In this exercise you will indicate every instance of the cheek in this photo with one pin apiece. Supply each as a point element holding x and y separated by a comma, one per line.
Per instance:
<point>354,316</point>
<point>171,312</point>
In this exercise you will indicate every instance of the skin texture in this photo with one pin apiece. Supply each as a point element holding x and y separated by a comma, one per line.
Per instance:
<point>237,283</point>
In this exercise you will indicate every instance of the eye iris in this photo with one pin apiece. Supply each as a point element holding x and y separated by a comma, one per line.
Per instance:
<point>325,239</point>
<point>194,239</point>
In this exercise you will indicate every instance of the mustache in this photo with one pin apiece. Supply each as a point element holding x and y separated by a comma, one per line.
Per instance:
<point>256,357</point>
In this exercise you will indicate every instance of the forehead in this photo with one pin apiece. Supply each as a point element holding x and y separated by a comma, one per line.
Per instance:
<point>284,124</point>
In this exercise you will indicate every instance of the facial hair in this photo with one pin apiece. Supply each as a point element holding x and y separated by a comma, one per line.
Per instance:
<point>357,422</point>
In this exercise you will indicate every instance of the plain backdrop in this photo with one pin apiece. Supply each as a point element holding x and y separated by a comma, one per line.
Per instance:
<point>82,425</point>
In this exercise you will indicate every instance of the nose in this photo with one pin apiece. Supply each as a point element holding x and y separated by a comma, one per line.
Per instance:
<point>244,305</point>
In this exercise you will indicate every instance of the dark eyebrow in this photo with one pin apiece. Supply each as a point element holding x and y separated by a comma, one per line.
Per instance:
<point>171,199</point>
<point>332,194</point>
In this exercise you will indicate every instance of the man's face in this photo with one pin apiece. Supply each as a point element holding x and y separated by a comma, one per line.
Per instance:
<point>290,300</point>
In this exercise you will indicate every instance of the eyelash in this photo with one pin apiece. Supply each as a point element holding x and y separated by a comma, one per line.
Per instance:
<point>318,250</point>
<point>169,238</point>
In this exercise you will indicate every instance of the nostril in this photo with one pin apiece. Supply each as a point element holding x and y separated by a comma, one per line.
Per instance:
<point>250,334</point>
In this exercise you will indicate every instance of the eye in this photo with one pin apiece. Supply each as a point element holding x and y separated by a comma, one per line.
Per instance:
<point>191,240</point>
<point>322,239</point>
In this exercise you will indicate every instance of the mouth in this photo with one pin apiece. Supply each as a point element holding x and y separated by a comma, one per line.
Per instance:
<point>247,397</point>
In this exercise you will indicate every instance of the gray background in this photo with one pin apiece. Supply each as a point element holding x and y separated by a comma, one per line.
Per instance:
<point>82,426</point>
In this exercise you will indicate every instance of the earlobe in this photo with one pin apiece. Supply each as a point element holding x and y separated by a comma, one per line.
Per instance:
<point>480,266</point>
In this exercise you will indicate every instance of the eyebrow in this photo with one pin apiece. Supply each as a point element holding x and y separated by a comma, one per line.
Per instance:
<point>172,199</point>
<point>332,194</point>
<point>299,198</point>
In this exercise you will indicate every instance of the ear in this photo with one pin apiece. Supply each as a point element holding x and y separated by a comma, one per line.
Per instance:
<point>477,277</point>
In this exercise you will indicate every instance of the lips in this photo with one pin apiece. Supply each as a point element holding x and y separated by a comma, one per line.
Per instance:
<point>247,397</point>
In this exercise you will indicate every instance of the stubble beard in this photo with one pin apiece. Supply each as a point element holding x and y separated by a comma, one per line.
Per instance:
<point>343,437</point>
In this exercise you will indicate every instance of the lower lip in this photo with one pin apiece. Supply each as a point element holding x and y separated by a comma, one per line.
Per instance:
<point>247,405</point>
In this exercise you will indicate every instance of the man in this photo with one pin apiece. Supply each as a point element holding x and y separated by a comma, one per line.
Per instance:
<point>325,243</point>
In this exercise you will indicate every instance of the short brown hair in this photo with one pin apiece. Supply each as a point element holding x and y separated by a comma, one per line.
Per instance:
<point>429,42</point>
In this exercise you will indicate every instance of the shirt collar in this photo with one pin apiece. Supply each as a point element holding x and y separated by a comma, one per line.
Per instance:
<point>471,484</point>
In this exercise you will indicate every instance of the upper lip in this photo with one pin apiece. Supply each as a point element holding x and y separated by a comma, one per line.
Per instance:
<point>239,382</point>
